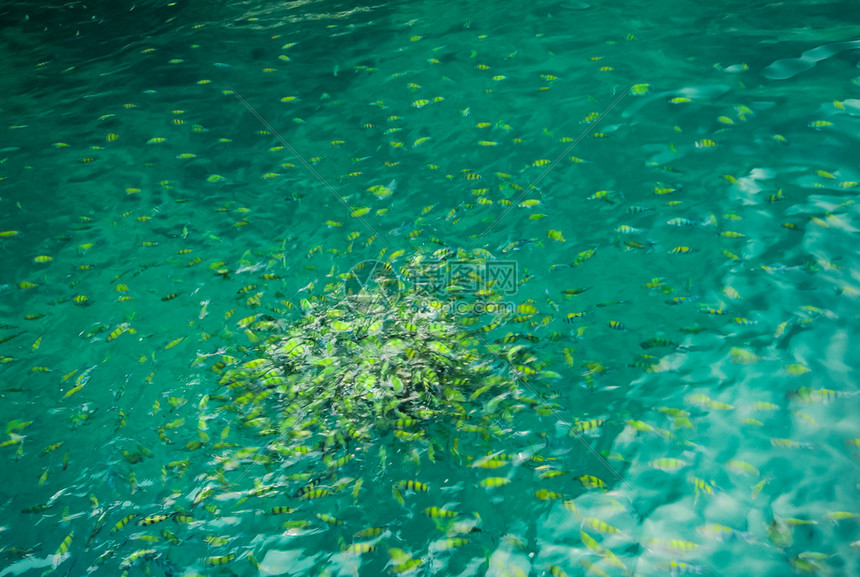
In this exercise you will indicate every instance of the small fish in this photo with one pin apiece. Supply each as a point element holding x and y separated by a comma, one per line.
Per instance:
<point>368,533</point>
<point>219,559</point>
<point>439,512</point>
<point>494,482</point>
<point>598,525</point>
<point>667,464</point>
<point>413,485</point>
<point>152,519</point>
<point>360,548</point>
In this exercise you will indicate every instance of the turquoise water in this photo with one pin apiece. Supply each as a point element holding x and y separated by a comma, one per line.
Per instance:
<point>685,172</point>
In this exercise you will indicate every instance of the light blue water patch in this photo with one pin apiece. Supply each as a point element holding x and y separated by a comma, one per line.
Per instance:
<point>789,67</point>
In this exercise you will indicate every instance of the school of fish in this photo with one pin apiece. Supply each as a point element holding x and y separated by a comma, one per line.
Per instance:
<point>415,385</point>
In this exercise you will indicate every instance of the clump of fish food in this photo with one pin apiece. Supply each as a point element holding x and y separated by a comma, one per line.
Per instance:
<point>381,348</point>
